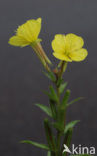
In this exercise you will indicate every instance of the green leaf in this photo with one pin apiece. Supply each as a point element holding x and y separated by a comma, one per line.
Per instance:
<point>75,100</point>
<point>45,109</point>
<point>65,98</point>
<point>43,146</point>
<point>53,109</point>
<point>51,97</point>
<point>62,87</point>
<point>70,125</point>
<point>53,94</point>
<point>59,81</point>
<point>49,135</point>
<point>50,75</point>
<point>58,126</point>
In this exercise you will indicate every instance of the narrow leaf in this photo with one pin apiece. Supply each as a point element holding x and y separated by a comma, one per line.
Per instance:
<point>62,87</point>
<point>70,125</point>
<point>43,146</point>
<point>51,97</point>
<point>53,109</point>
<point>75,100</point>
<point>45,109</point>
<point>66,98</point>
<point>53,93</point>
<point>59,81</point>
<point>58,126</point>
<point>50,75</point>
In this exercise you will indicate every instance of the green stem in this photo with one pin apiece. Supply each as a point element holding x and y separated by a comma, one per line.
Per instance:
<point>58,94</point>
<point>58,132</point>
<point>59,74</point>
<point>63,67</point>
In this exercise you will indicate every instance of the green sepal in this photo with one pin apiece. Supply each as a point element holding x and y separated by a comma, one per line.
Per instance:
<point>65,98</point>
<point>75,100</point>
<point>49,135</point>
<point>33,44</point>
<point>43,146</point>
<point>62,87</point>
<point>70,125</point>
<point>50,75</point>
<point>45,109</point>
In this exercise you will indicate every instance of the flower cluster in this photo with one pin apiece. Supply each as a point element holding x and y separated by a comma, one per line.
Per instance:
<point>66,47</point>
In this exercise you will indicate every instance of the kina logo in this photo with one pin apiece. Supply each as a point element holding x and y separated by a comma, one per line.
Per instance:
<point>79,150</point>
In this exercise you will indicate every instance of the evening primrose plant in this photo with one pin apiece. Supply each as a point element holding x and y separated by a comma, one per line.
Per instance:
<point>66,48</point>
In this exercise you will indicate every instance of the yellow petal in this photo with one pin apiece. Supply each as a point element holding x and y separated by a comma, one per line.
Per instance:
<point>73,42</point>
<point>30,30</point>
<point>58,44</point>
<point>62,57</point>
<point>78,55</point>
<point>18,41</point>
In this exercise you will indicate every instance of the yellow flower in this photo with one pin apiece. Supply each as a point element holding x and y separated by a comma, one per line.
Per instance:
<point>69,48</point>
<point>27,33</point>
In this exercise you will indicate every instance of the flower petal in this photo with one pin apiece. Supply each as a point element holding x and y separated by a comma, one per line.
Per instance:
<point>30,30</point>
<point>73,42</point>
<point>78,55</point>
<point>62,57</point>
<point>58,44</point>
<point>18,41</point>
